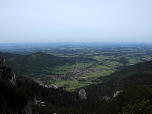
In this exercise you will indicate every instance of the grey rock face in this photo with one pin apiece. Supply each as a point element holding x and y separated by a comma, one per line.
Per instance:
<point>6,74</point>
<point>28,108</point>
<point>9,75</point>
<point>115,94</point>
<point>0,75</point>
<point>13,80</point>
<point>2,64</point>
<point>106,98</point>
<point>82,94</point>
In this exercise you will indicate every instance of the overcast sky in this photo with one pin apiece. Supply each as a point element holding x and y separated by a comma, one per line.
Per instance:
<point>75,21</point>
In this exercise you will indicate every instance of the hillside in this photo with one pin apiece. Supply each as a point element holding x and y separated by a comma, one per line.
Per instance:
<point>8,55</point>
<point>12,99</point>
<point>139,68</point>
<point>139,74</point>
<point>134,100</point>
<point>38,61</point>
<point>28,96</point>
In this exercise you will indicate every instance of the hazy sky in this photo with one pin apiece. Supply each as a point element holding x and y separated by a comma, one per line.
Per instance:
<point>75,21</point>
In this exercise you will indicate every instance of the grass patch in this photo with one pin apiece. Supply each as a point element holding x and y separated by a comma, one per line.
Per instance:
<point>98,74</point>
<point>38,81</point>
<point>60,83</point>
<point>133,61</point>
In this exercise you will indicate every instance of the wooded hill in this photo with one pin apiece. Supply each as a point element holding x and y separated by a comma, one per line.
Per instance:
<point>36,62</point>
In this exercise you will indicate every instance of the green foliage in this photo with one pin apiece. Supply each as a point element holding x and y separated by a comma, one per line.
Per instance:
<point>56,100</point>
<point>38,61</point>
<point>139,68</point>
<point>134,100</point>
<point>11,97</point>
<point>138,107</point>
<point>8,55</point>
<point>7,74</point>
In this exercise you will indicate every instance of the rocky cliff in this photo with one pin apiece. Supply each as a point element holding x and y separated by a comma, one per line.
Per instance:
<point>12,99</point>
<point>6,73</point>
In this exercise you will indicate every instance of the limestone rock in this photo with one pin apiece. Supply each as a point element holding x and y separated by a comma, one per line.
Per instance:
<point>106,98</point>
<point>2,64</point>
<point>28,108</point>
<point>115,94</point>
<point>82,94</point>
<point>6,73</point>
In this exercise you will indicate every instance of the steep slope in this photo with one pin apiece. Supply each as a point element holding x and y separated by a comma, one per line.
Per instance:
<point>12,99</point>
<point>139,74</point>
<point>55,100</point>
<point>134,100</point>
<point>28,96</point>
<point>139,68</point>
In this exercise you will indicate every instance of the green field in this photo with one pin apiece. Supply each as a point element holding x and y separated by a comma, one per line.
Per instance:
<point>60,83</point>
<point>77,85</point>
<point>80,65</point>
<point>133,61</point>
<point>98,74</point>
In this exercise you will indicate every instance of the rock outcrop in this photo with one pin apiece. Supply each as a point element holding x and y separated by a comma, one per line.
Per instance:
<point>2,64</point>
<point>106,98</point>
<point>28,108</point>
<point>82,94</point>
<point>6,73</point>
<point>115,94</point>
<point>9,86</point>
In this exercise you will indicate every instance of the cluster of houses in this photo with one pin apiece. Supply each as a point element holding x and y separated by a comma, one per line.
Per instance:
<point>81,72</point>
<point>75,74</point>
<point>49,86</point>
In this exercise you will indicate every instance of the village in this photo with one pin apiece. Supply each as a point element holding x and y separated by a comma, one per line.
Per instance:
<point>77,74</point>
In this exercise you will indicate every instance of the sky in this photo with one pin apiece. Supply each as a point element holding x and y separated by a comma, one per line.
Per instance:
<point>75,21</point>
